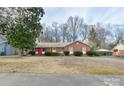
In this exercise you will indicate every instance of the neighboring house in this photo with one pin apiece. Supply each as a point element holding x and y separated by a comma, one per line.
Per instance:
<point>6,49</point>
<point>41,48</point>
<point>118,50</point>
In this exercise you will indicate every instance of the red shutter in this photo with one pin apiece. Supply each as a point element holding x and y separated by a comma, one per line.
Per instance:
<point>32,49</point>
<point>57,50</point>
<point>87,49</point>
<point>81,49</point>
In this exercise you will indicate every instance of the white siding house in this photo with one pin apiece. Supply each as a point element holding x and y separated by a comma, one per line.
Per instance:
<point>118,50</point>
<point>6,49</point>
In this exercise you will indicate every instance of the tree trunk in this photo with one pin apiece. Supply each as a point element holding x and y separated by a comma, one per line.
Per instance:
<point>20,52</point>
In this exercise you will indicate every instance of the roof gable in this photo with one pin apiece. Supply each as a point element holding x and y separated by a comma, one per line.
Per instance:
<point>76,42</point>
<point>119,47</point>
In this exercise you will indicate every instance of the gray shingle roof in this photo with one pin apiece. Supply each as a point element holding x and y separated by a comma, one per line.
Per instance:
<point>51,44</point>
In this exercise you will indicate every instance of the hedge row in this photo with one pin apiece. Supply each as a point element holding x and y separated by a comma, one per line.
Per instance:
<point>76,53</point>
<point>51,54</point>
<point>92,53</point>
<point>2,54</point>
<point>95,53</point>
<point>66,53</point>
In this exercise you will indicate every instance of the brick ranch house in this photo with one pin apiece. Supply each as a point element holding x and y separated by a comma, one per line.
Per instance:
<point>41,48</point>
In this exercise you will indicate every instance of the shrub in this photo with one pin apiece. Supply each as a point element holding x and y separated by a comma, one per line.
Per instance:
<point>55,54</point>
<point>96,54</point>
<point>51,54</point>
<point>66,53</point>
<point>93,53</point>
<point>104,53</point>
<point>32,53</point>
<point>2,54</point>
<point>47,53</point>
<point>90,53</point>
<point>78,53</point>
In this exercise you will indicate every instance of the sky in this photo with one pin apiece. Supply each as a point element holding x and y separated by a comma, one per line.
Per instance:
<point>91,15</point>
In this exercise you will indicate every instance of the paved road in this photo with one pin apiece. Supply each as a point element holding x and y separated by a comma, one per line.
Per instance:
<point>60,80</point>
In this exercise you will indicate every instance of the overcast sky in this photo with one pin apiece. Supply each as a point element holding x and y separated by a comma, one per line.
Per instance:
<point>90,15</point>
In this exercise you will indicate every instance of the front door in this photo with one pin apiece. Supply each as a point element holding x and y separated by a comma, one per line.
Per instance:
<point>39,51</point>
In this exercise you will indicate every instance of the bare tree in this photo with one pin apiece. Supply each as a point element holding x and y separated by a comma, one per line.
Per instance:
<point>74,24</point>
<point>84,31</point>
<point>66,37</point>
<point>49,34</point>
<point>117,36</point>
<point>56,31</point>
<point>102,34</point>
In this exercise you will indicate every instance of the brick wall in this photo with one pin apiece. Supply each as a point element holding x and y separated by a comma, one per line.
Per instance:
<point>121,52</point>
<point>77,46</point>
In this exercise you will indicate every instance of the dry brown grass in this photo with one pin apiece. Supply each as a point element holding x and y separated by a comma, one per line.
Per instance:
<point>59,65</point>
<point>97,70</point>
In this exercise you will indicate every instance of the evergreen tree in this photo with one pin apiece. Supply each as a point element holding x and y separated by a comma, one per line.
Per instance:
<point>24,32</point>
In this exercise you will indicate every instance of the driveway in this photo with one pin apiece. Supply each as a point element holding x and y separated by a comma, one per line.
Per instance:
<point>18,79</point>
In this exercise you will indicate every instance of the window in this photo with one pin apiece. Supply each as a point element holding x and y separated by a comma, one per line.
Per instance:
<point>77,43</point>
<point>44,49</point>
<point>53,49</point>
<point>61,50</point>
<point>36,50</point>
<point>115,50</point>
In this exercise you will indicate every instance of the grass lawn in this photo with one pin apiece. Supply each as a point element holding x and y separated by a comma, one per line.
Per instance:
<point>61,65</point>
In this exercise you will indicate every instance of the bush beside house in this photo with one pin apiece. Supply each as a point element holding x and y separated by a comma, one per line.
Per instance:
<point>51,54</point>
<point>55,54</point>
<point>104,53</point>
<point>78,53</point>
<point>92,53</point>
<point>99,53</point>
<point>47,54</point>
<point>32,53</point>
<point>66,53</point>
<point>2,54</point>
